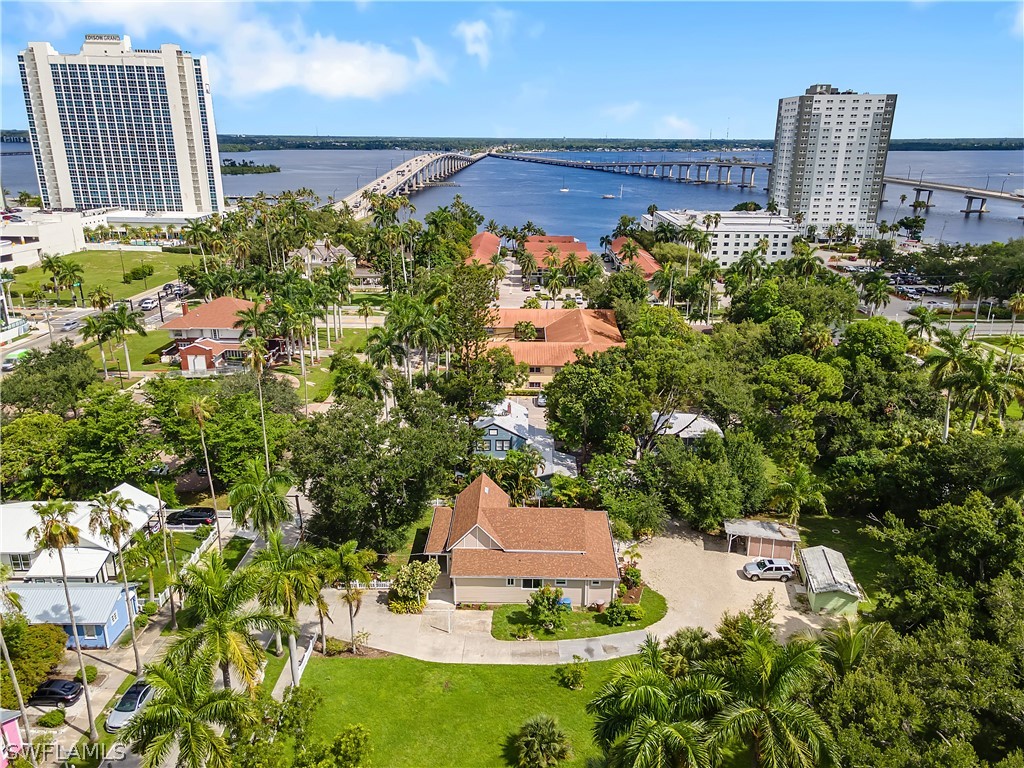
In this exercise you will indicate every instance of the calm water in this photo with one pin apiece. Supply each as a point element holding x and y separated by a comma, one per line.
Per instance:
<point>512,192</point>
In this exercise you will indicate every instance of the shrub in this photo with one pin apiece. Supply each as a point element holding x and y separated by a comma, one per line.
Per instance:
<point>532,303</point>
<point>631,577</point>
<point>415,579</point>
<point>401,605</point>
<point>34,651</point>
<point>150,608</point>
<point>52,719</point>
<point>519,631</point>
<point>621,530</point>
<point>151,359</point>
<point>90,673</point>
<point>203,531</point>
<point>620,613</point>
<point>141,621</point>
<point>335,646</point>
<point>540,743</point>
<point>622,589</point>
<point>573,675</point>
<point>545,610</point>
<point>21,269</point>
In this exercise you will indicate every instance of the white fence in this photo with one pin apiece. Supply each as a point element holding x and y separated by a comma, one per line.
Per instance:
<point>208,542</point>
<point>375,584</point>
<point>308,654</point>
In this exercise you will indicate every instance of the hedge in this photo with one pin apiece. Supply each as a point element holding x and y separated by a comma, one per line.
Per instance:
<point>55,718</point>
<point>90,673</point>
<point>177,249</point>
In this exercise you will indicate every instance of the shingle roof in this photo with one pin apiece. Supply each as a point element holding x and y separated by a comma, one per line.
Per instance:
<point>565,331</point>
<point>220,313</point>
<point>826,571</point>
<point>44,603</point>
<point>549,542</point>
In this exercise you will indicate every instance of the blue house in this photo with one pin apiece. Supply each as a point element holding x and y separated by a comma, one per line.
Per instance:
<point>508,428</point>
<point>99,609</point>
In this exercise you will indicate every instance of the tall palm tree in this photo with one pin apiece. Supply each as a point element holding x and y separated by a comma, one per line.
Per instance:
<point>764,707</point>
<point>845,646</point>
<point>71,275</point>
<point>923,323</point>
<point>876,294</point>
<point>527,265</point>
<point>255,349</point>
<point>53,533</point>
<point>665,280</point>
<point>201,408</point>
<point>188,714</point>
<point>1016,305</point>
<point>949,357</point>
<point>216,604</point>
<point>258,498</point>
<point>287,580</point>
<point>100,298</point>
<point>197,232</point>
<point>806,263</point>
<point>96,328</point>
<point>9,601</point>
<point>53,265</point>
<point>959,292</point>
<point>982,283</point>
<point>365,311</point>
<point>800,490</point>
<point>349,566</point>
<point>146,552</point>
<point>984,387</point>
<point>121,321</point>
<point>108,517</point>
<point>710,272</point>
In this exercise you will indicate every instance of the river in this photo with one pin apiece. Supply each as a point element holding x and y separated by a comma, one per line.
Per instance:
<point>512,192</point>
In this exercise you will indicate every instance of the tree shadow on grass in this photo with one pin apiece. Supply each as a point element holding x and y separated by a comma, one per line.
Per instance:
<point>509,751</point>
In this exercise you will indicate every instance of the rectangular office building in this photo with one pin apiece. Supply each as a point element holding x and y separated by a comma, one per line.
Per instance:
<point>732,233</point>
<point>830,153</point>
<point>116,127</point>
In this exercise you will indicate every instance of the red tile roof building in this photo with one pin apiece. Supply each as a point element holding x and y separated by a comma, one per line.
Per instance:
<point>206,334</point>
<point>482,246</point>
<point>647,263</point>
<point>495,553</point>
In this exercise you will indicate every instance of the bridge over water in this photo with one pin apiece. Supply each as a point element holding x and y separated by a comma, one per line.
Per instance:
<point>686,171</point>
<point>972,194</point>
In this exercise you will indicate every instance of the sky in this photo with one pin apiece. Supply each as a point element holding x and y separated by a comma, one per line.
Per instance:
<point>579,69</point>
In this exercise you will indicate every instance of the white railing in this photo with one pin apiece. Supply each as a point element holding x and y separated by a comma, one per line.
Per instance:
<point>307,655</point>
<point>208,542</point>
<point>374,584</point>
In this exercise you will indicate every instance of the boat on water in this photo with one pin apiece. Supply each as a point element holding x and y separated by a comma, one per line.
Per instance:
<point>564,188</point>
<point>612,197</point>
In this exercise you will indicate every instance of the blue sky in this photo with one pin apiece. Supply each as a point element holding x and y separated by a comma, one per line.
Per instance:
<point>654,70</point>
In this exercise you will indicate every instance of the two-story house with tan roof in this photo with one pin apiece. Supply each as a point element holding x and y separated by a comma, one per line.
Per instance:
<point>493,552</point>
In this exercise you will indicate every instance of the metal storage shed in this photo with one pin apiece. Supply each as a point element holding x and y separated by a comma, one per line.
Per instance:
<point>830,583</point>
<point>763,538</point>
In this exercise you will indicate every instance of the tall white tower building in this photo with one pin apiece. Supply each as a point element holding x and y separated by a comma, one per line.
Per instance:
<point>116,127</point>
<point>830,152</point>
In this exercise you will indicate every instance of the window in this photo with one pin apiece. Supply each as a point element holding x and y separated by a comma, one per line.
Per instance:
<point>90,631</point>
<point>21,562</point>
<point>534,385</point>
<point>532,583</point>
<point>534,369</point>
<point>484,445</point>
<point>595,583</point>
<point>561,582</point>
<point>492,431</point>
<point>503,445</point>
<point>113,617</point>
<point>510,582</point>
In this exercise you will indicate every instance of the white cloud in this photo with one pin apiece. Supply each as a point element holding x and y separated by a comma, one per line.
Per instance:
<point>621,112</point>
<point>1018,21</point>
<point>674,127</point>
<point>250,53</point>
<point>476,37</point>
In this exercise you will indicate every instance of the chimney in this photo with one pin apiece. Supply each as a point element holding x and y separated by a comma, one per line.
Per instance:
<point>184,308</point>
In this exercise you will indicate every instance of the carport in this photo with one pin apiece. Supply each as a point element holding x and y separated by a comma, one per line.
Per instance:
<point>762,538</point>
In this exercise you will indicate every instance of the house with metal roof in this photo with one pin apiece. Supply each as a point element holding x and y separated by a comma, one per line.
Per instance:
<point>492,552</point>
<point>830,583</point>
<point>762,538</point>
<point>91,560</point>
<point>100,612</point>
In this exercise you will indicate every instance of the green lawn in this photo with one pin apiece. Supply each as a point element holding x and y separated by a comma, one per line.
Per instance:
<point>580,623</point>
<point>235,550</point>
<point>374,299</point>
<point>184,545</point>
<point>275,665</point>
<point>104,268</point>
<point>152,343</point>
<point>867,558</point>
<point>353,340</point>
<point>319,375</point>
<point>415,540</point>
<point>453,715</point>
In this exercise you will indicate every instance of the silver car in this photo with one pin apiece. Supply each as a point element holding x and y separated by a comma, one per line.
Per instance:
<point>133,700</point>
<point>769,568</point>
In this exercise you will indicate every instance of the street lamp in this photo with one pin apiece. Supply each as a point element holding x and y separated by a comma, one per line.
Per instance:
<point>121,257</point>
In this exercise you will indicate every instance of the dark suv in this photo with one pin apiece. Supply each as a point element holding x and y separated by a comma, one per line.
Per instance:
<point>191,516</point>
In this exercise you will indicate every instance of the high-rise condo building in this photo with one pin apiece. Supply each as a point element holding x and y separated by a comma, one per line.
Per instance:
<point>829,160</point>
<point>116,127</point>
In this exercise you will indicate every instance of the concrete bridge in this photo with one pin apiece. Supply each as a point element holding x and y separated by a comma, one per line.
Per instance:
<point>410,177</point>
<point>972,194</point>
<point>686,171</point>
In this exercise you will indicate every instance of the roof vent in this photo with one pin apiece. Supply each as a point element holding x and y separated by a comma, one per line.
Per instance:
<point>486,489</point>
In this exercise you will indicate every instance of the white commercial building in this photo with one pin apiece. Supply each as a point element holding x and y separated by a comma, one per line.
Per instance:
<point>735,233</point>
<point>830,153</point>
<point>116,127</point>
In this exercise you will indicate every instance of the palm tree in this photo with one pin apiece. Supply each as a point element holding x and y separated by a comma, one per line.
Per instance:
<point>629,251</point>
<point>53,265</point>
<point>188,714</point>
<point>255,349</point>
<point>1016,305</point>
<point>541,743</point>
<point>364,311</point>
<point>53,533</point>
<point>349,566</point>
<point>765,707</point>
<point>710,272</point>
<point>800,490</point>
<point>949,357</point>
<point>876,294</point>
<point>200,408</point>
<point>984,387</point>
<point>9,601</point>
<point>145,552</point>
<point>923,323</point>
<point>664,281</point>
<point>527,265</point>
<point>196,232</point>
<point>216,606</point>
<point>96,328</point>
<point>100,298</point>
<point>959,292</point>
<point>71,275</point>
<point>287,580</point>
<point>108,517</point>
<point>845,646</point>
<point>121,321</point>
<point>982,283</point>
<point>258,498</point>
<point>806,263</point>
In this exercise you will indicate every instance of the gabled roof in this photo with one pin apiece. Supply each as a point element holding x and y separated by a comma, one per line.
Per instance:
<point>647,263</point>
<point>515,419</point>
<point>551,239</point>
<point>212,345</point>
<point>483,245</point>
<point>826,571</point>
<point>221,314</point>
<point>540,251</point>
<point>472,506</point>
<point>565,331</point>
<point>44,603</point>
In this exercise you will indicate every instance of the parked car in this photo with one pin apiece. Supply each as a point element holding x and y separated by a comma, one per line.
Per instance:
<point>134,699</point>
<point>540,400</point>
<point>769,568</point>
<point>71,325</point>
<point>191,516</point>
<point>148,304</point>
<point>56,693</point>
<point>168,287</point>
